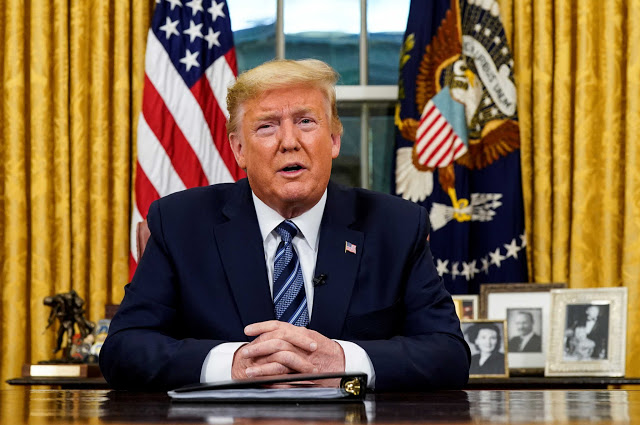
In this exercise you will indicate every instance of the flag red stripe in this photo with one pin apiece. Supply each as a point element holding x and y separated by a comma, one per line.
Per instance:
<point>427,114</point>
<point>230,56</point>
<point>145,192</point>
<point>422,120</point>
<point>433,137</point>
<point>444,141</point>
<point>161,122</point>
<point>434,122</point>
<point>217,124</point>
<point>460,146</point>
<point>444,161</point>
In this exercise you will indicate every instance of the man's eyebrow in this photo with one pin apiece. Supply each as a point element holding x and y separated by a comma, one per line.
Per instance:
<point>303,111</point>
<point>268,116</point>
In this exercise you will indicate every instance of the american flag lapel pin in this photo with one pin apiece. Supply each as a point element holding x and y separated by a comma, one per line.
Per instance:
<point>349,247</point>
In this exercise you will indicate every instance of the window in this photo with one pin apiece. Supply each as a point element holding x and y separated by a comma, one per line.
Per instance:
<point>367,60</point>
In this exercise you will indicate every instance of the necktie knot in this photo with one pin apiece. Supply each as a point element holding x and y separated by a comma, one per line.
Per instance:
<point>287,230</point>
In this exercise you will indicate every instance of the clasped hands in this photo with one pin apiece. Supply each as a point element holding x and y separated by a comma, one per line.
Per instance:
<point>282,348</point>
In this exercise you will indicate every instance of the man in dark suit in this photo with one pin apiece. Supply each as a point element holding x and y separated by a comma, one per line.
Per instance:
<point>285,272</point>
<point>526,340</point>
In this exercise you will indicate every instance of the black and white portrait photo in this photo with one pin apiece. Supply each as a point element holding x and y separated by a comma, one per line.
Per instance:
<point>586,332</point>
<point>524,327</point>
<point>486,342</point>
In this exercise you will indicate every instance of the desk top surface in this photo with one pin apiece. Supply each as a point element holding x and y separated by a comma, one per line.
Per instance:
<point>24,405</point>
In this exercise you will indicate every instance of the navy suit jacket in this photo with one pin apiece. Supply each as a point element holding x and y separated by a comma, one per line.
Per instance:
<point>203,278</point>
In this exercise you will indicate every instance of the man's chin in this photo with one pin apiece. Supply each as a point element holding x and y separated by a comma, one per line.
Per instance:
<point>298,199</point>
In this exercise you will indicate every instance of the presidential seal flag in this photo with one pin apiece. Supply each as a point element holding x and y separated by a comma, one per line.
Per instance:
<point>458,143</point>
<point>182,142</point>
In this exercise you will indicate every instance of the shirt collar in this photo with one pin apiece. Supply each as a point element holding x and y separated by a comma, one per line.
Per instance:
<point>308,223</point>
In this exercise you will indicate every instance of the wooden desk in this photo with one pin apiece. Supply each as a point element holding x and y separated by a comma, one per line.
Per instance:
<point>549,383</point>
<point>513,383</point>
<point>28,405</point>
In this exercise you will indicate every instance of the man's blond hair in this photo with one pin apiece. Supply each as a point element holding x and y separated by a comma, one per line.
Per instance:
<point>281,73</point>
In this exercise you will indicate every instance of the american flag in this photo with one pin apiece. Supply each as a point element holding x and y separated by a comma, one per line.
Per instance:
<point>349,247</point>
<point>190,62</point>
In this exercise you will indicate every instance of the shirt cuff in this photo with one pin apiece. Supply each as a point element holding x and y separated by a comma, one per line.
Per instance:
<point>217,364</point>
<point>357,360</point>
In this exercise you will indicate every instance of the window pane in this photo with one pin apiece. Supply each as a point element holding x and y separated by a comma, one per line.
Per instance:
<point>254,31</point>
<point>328,30</point>
<point>346,168</point>
<point>386,23</point>
<point>381,146</point>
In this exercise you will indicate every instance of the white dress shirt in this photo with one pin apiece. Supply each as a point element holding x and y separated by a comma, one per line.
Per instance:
<point>217,364</point>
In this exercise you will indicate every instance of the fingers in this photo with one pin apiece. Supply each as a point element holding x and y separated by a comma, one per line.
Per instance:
<point>280,363</point>
<point>275,329</point>
<point>267,347</point>
<point>268,369</point>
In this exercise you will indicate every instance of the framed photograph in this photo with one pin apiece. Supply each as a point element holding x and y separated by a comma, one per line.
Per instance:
<point>588,332</point>
<point>489,347</point>
<point>527,309</point>
<point>466,306</point>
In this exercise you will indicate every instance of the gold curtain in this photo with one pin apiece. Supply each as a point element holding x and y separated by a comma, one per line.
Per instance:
<point>71,83</point>
<point>578,81</point>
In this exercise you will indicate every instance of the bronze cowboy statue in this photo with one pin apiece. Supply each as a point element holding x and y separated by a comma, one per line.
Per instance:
<point>68,308</point>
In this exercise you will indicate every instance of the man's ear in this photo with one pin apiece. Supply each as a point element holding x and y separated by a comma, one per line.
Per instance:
<point>237,146</point>
<point>335,145</point>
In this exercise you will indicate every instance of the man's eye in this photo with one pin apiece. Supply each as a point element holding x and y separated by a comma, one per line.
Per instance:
<point>306,121</point>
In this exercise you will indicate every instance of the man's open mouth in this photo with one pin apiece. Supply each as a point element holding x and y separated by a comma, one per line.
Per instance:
<point>292,168</point>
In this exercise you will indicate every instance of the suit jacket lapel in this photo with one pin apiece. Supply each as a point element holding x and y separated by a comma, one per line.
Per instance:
<point>331,300</point>
<point>241,249</point>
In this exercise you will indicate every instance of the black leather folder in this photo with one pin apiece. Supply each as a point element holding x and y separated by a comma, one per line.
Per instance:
<point>294,388</point>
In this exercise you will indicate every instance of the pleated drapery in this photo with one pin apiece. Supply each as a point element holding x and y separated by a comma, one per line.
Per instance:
<point>578,80</point>
<point>71,86</point>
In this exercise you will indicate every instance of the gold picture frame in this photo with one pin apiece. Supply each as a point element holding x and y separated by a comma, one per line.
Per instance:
<point>588,333</point>
<point>467,306</point>
<point>476,334</point>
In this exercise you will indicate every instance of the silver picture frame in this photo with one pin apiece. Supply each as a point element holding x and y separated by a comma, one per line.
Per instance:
<point>588,332</point>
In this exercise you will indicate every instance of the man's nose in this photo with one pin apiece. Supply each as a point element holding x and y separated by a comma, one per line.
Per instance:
<point>289,136</point>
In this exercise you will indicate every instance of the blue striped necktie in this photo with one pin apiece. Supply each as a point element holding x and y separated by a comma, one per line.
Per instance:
<point>289,299</point>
